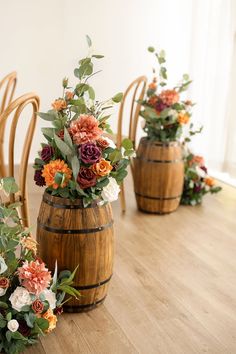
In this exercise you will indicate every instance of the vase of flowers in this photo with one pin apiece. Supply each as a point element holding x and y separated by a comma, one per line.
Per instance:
<point>197,181</point>
<point>82,170</point>
<point>30,297</point>
<point>159,166</point>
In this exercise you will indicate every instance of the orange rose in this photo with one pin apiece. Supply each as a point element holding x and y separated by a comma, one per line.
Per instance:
<point>102,143</point>
<point>69,95</point>
<point>101,168</point>
<point>4,282</point>
<point>51,318</point>
<point>183,118</point>
<point>197,160</point>
<point>209,181</point>
<point>52,168</point>
<point>59,104</point>
<point>152,86</point>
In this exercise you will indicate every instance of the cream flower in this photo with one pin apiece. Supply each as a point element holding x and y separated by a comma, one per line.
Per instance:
<point>110,142</point>
<point>2,291</point>
<point>13,325</point>
<point>3,266</point>
<point>200,172</point>
<point>19,298</point>
<point>111,191</point>
<point>50,297</point>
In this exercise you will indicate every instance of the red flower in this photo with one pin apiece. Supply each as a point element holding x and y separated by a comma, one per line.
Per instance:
<point>86,178</point>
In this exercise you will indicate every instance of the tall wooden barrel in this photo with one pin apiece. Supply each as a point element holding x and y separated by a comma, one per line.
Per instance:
<point>73,235</point>
<point>158,176</point>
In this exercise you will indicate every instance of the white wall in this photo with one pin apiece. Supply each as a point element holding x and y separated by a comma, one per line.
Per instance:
<point>43,40</point>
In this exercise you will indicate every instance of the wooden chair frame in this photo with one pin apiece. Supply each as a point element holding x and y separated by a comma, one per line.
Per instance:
<point>18,106</point>
<point>9,82</point>
<point>133,121</point>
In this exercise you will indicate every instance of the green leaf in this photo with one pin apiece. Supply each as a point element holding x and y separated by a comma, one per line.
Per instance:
<point>9,185</point>
<point>42,323</point>
<point>64,274</point>
<point>77,73</point>
<point>50,116</point>
<point>81,88</point>
<point>30,319</point>
<point>97,56</point>
<point>67,138</point>
<point>48,132</point>
<point>151,49</point>
<point>88,40</point>
<point>75,164</point>
<point>3,305</point>
<point>58,178</point>
<point>91,93</point>
<point>17,335</point>
<point>85,61</point>
<point>9,316</point>
<point>115,156</point>
<point>186,77</point>
<point>85,70</point>
<point>127,144</point>
<point>118,97</point>
<point>163,72</point>
<point>62,146</point>
<point>8,335</point>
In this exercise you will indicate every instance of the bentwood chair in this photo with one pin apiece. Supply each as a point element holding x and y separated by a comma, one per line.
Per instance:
<point>136,91</point>
<point>7,90</point>
<point>14,112</point>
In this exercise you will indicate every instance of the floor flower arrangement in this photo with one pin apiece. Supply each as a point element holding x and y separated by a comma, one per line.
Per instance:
<point>197,182</point>
<point>165,113</point>
<point>78,160</point>
<point>30,297</point>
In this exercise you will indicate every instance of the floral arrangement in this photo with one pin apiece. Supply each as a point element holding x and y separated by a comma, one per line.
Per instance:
<point>79,160</point>
<point>197,182</point>
<point>30,298</point>
<point>164,112</point>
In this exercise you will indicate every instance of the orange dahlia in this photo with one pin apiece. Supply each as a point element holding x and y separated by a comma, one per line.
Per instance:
<point>169,97</point>
<point>59,104</point>
<point>51,318</point>
<point>52,168</point>
<point>183,118</point>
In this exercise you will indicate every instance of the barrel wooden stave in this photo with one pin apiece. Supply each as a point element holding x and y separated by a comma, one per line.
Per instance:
<point>158,176</point>
<point>92,251</point>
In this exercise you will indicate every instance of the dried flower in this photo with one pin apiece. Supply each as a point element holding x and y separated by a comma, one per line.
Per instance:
<point>38,178</point>
<point>85,129</point>
<point>51,169</point>
<point>4,282</point>
<point>90,153</point>
<point>102,143</point>
<point>51,318</point>
<point>34,276</point>
<point>37,306</point>
<point>86,178</point>
<point>29,243</point>
<point>102,168</point>
<point>69,95</point>
<point>59,104</point>
<point>47,153</point>
<point>183,118</point>
<point>23,328</point>
<point>209,181</point>
<point>169,97</point>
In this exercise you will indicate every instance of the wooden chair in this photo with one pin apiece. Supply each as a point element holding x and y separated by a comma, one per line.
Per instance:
<point>14,111</point>
<point>138,87</point>
<point>7,90</point>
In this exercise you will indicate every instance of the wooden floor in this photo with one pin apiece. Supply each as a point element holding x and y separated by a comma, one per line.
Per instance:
<point>173,289</point>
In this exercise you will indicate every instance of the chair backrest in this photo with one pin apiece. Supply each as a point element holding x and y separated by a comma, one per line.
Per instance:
<point>7,90</point>
<point>14,110</point>
<point>8,86</point>
<point>138,87</point>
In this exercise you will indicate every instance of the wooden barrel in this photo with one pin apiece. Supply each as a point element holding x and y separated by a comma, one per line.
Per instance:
<point>74,235</point>
<point>158,176</point>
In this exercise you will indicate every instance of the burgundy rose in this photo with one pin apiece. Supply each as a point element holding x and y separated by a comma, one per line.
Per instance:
<point>39,179</point>
<point>160,106</point>
<point>23,328</point>
<point>90,153</point>
<point>47,153</point>
<point>197,188</point>
<point>58,310</point>
<point>86,178</point>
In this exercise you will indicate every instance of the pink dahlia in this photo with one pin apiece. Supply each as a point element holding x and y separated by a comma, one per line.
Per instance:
<point>34,276</point>
<point>85,129</point>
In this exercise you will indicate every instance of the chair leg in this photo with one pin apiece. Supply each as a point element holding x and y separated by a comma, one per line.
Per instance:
<point>122,198</point>
<point>25,214</point>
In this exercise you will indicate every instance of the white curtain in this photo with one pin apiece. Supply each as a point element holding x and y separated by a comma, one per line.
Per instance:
<point>212,54</point>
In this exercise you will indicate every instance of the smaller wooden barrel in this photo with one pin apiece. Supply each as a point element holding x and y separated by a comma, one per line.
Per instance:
<point>73,235</point>
<point>158,176</point>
